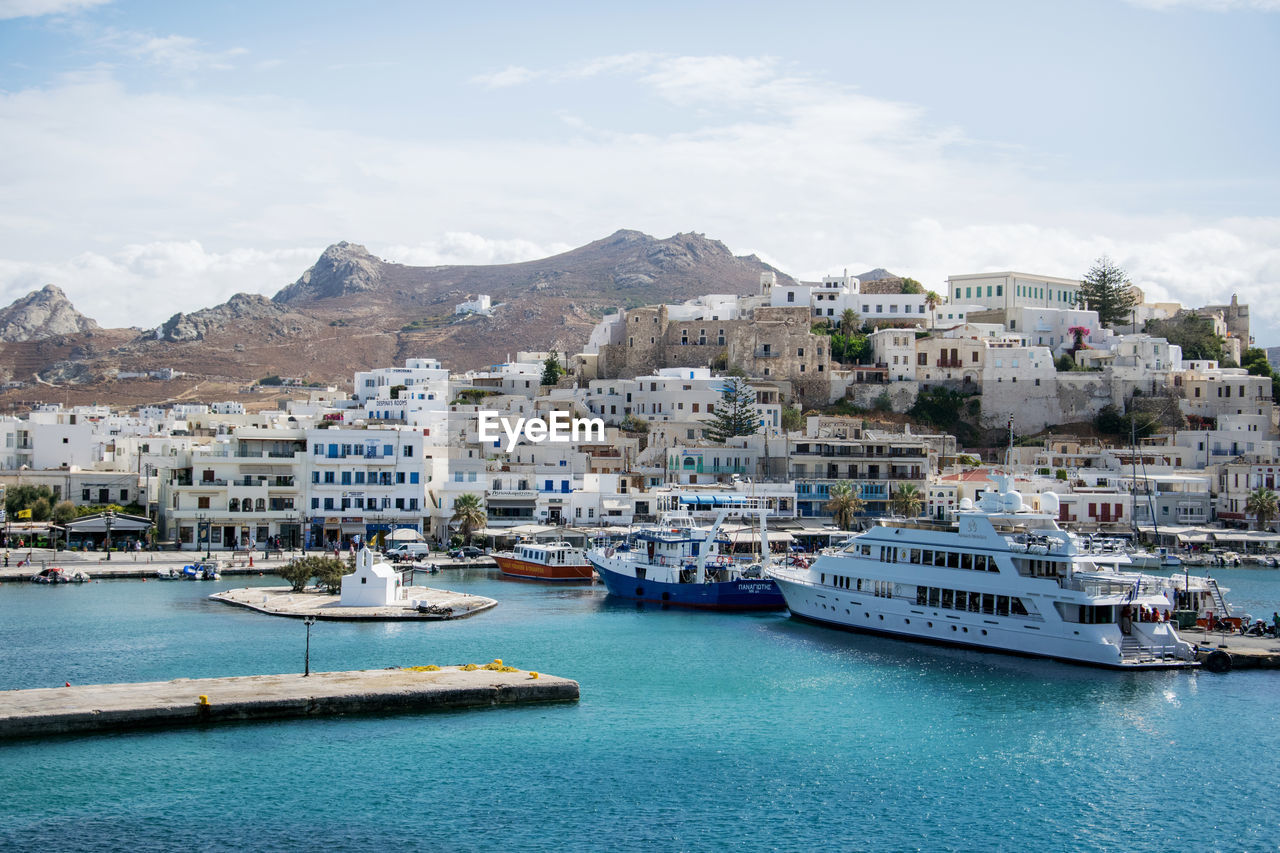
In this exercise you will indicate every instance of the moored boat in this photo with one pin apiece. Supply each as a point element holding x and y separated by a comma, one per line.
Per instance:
<point>1001,578</point>
<point>545,561</point>
<point>680,562</point>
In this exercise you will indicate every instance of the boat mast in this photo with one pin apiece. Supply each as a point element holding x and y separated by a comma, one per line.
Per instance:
<point>701,571</point>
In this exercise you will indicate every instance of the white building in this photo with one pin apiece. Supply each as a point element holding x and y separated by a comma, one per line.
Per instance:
<point>371,585</point>
<point>477,305</point>
<point>998,291</point>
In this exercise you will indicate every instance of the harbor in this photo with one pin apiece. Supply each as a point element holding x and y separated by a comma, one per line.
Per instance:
<point>204,701</point>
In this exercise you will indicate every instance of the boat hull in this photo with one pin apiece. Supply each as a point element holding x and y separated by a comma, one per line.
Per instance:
<point>866,614</point>
<point>740,595</point>
<point>528,570</point>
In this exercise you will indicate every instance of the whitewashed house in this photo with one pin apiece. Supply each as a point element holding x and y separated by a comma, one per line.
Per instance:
<point>372,584</point>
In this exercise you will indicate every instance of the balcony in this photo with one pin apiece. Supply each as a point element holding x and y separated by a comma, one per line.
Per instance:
<point>768,353</point>
<point>947,362</point>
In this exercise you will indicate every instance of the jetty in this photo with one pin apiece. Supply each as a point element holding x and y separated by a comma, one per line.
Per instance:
<point>144,565</point>
<point>182,702</point>
<point>1242,652</point>
<point>418,603</point>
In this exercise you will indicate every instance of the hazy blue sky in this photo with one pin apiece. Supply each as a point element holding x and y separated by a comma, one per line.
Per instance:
<point>161,156</point>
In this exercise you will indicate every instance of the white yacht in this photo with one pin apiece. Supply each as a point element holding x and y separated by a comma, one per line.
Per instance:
<point>1001,578</point>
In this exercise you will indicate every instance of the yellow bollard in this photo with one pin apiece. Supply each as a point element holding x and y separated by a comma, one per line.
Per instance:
<point>204,700</point>
<point>533,675</point>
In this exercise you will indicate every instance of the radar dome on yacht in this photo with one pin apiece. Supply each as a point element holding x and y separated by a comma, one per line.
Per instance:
<point>966,504</point>
<point>1012,502</point>
<point>1049,503</point>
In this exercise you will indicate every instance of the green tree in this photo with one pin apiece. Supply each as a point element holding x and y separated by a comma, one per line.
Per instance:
<point>1262,506</point>
<point>396,391</point>
<point>63,511</point>
<point>551,370</point>
<point>736,413</point>
<point>23,497</point>
<point>910,285</point>
<point>329,572</point>
<point>631,423</point>
<point>1064,363</point>
<point>932,300</point>
<point>469,512</point>
<point>1191,332</point>
<point>792,418</point>
<point>1105,290</point>
<point>843,505</point>
<point>300,571</point>
<point>907,500</point>
<point>849,321</point>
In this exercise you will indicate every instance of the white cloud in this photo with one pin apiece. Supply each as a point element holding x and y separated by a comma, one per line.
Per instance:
<point>512,75</point>
<point>459,247</point>
<point>117,188</point>
<point>38,8</point>
<point>180,54</point>
<point>144,284</point>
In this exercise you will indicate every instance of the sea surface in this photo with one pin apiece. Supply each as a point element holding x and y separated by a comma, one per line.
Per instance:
<point>696,731</point>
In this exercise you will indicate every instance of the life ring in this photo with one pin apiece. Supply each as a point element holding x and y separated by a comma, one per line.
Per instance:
<point>1218,661</point>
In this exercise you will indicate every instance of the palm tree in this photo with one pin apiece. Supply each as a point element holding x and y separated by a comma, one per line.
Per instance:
<point>932,300</point>
<point>470,514</point>
<point>849,320</point>
<point>907,500</point>
<point>843,505</point>
<point>1262,506</point>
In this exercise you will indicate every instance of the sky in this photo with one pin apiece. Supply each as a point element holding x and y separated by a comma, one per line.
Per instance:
<point>159,156</point>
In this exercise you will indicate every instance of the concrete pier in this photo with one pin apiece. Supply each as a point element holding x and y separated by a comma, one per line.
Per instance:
<point>125,566</point>
<point>164,704</point>
<point>1244,652</point>
<point>436,604</point>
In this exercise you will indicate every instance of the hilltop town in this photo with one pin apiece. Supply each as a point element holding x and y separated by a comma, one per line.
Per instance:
<point>1142,425</point>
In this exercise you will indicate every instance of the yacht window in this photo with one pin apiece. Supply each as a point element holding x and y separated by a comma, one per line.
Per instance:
<point>915,555</point>
<point>1002,605</point>
<point>948,598</point>
<point>975,602</point>
<point>940,558</point>
<point>953,559</point>
<point>966,561</point>
<point>933,596</point>
<point>980,562</point>
<point>961,599</point>
<point>988,603</point>
<point>922,595</point>
<point>1018,608</point>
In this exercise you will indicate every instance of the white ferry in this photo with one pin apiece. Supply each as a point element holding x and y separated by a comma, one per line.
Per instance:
<point>1002,578</point>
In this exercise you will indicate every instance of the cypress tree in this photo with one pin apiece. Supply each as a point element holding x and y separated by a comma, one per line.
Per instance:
<point>736,413</point>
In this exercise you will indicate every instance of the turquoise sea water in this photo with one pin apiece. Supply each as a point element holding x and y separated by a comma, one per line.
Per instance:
<point>696,731</point>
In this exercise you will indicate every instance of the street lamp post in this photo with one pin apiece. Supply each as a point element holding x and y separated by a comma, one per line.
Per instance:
<point>308,621</point>
<point>109,517</point>
<point>302,532</point>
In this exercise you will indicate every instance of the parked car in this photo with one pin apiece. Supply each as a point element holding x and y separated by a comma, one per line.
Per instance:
<point>470,552</point>
<point>408,551</point>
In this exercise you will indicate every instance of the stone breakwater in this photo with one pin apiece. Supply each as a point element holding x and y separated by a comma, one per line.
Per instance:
<point>182,702</point>
<point>419,603</point>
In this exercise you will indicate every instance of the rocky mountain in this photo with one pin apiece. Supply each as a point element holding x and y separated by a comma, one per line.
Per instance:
<point>344,268</point>
<point>876,274</point>
<point>353,310</point>
<point>43,313</point>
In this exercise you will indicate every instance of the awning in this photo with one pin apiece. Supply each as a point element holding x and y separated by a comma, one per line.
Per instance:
<point>611,504</point>
<point>120,523</point>
<point>405,534</point>
<point>1194,538</point>
<point>1231,536</point>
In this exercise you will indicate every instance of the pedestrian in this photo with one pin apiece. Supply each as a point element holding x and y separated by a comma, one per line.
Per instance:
<point>6,558</point>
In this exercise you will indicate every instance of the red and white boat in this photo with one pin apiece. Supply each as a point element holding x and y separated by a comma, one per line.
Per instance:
<point>545,561</point>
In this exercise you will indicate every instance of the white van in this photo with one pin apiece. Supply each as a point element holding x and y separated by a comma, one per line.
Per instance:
<point>408,551</point>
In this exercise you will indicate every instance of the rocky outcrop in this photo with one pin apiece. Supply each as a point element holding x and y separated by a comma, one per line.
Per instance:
<point>234,312</point>
<point>44,313</point>
<point>343,269</point>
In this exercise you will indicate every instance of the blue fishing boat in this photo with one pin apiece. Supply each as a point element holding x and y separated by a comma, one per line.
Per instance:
<point>680,562</point>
